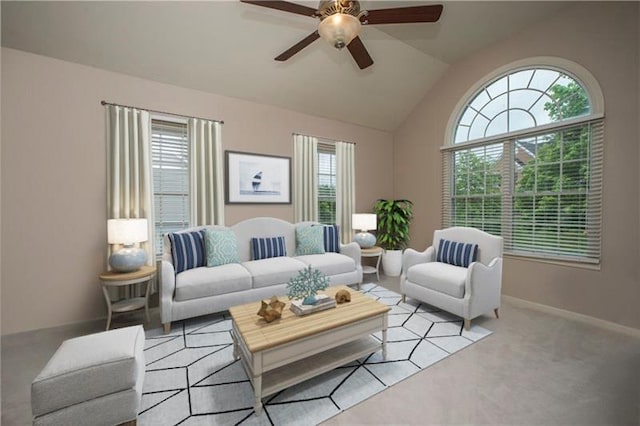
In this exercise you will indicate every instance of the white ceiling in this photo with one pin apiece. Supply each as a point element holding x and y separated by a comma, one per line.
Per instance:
<point>227,47</point>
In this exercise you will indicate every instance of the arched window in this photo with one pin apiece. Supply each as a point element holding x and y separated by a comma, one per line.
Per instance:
<point>524,160</point>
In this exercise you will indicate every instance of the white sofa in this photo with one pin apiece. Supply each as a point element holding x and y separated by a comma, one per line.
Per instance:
<point>206,290</point>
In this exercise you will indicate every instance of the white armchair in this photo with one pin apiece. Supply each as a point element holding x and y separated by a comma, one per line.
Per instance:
<point>464,291</point>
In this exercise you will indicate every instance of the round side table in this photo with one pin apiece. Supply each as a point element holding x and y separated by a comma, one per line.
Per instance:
<point>372,252</point>
<point>118,279</point>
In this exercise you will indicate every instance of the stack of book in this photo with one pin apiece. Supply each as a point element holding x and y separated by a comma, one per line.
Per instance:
<point>323,302</point>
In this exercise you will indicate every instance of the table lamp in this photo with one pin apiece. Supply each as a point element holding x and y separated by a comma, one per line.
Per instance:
<point>364,222</point>
<point>127,232</point>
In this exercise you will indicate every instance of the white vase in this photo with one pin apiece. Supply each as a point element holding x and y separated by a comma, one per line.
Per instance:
<point>392,262</point>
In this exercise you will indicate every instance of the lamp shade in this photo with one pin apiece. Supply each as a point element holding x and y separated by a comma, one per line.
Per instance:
<point>339,29</point>
<point>363,221</point>
<point>127,231</point>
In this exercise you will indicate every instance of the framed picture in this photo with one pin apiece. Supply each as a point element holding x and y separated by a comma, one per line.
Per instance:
<point>257,178</point>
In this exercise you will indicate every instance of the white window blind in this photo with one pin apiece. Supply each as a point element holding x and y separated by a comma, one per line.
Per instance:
<point>541,191</point>
<point>326,183</point>
<point>170,160</point>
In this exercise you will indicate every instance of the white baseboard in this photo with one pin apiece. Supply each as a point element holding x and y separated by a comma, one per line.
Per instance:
<point>608,325</point>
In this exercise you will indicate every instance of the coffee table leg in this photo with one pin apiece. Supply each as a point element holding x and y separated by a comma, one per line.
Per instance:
<point>235,345</point>
<point>257,389</point>
<point>257,382</point>
<point>384,337</point>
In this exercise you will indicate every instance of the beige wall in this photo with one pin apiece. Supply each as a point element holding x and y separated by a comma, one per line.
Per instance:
<point>604,39</point>
<point>54,175</point>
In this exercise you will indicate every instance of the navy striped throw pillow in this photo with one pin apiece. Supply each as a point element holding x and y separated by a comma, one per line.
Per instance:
<point>332,238</point>
<point>264,248</point>
<point>457,254</point>
<point>187,250</point>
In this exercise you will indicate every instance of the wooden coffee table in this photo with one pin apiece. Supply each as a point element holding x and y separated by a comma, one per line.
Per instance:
<point>292,349</point>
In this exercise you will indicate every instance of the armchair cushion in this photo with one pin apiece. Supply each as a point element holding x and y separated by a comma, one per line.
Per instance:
<point>457,253</point>
<point>441,277</point>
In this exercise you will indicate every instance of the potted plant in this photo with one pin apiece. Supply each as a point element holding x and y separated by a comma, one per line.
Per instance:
<point>394,219</point>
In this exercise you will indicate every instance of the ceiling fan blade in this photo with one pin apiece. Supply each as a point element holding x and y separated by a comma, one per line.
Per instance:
<point>404,15</point>
<point>284,6</point>
<point>298,46</point>
<point>359,53</point>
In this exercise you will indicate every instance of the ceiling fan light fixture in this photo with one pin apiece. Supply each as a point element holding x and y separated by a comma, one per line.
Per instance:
<point>339,29</point>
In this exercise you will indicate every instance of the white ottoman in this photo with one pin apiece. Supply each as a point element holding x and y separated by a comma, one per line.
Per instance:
<point>92,380</point>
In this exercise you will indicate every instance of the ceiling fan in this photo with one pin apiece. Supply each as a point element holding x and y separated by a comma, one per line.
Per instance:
<point>341,20</point>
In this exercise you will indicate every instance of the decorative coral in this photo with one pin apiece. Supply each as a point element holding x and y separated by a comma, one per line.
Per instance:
<point>306,285</point>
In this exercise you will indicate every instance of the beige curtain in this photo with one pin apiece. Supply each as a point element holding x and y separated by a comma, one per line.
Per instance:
<point>345,188</point>
<point>206,178</point>
<point>129,174</point>
<point>305,178</point>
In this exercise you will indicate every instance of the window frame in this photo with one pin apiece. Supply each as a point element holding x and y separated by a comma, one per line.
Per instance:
<point>595,122</point>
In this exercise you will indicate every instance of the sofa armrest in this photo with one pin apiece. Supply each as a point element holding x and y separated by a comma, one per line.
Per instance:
<point>412,257</point>
<point>167,288</point>
<point>352,250</point>
<point>483,286</point>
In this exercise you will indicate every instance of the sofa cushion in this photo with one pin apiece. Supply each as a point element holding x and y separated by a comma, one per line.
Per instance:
<point>221,247</point>
<point>277,270</point>
<point>264,248</point>
<point>309,240</point>
<point>205,282</point>
<point>88,367</point>
<point>457,253</point>
<point>187,250</point>
<point>440,277</point>
<point>329,263</point>
<point>332,238</point>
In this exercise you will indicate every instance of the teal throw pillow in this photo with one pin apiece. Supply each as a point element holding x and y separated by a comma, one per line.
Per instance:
<point>309,240</point>
<point>221,247</point>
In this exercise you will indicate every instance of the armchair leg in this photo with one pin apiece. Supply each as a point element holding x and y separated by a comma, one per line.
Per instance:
<point>495,311</point>
<point>467,324</point>
<point>167,328</point>
<point>404,298</point>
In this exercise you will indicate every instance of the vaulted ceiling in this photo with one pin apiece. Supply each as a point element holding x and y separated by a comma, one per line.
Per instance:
<point>227,48</point>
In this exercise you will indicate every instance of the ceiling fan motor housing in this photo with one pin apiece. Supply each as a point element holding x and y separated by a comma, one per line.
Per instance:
<point>331,7</point>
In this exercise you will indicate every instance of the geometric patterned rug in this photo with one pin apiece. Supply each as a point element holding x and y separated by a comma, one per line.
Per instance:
<point>192,379</point>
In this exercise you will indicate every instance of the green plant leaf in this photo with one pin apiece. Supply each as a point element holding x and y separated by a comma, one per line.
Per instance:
<point>394,219</point>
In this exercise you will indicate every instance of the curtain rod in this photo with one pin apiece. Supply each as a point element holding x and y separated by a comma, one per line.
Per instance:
<point>160,112</point>
<point>321,137</point>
